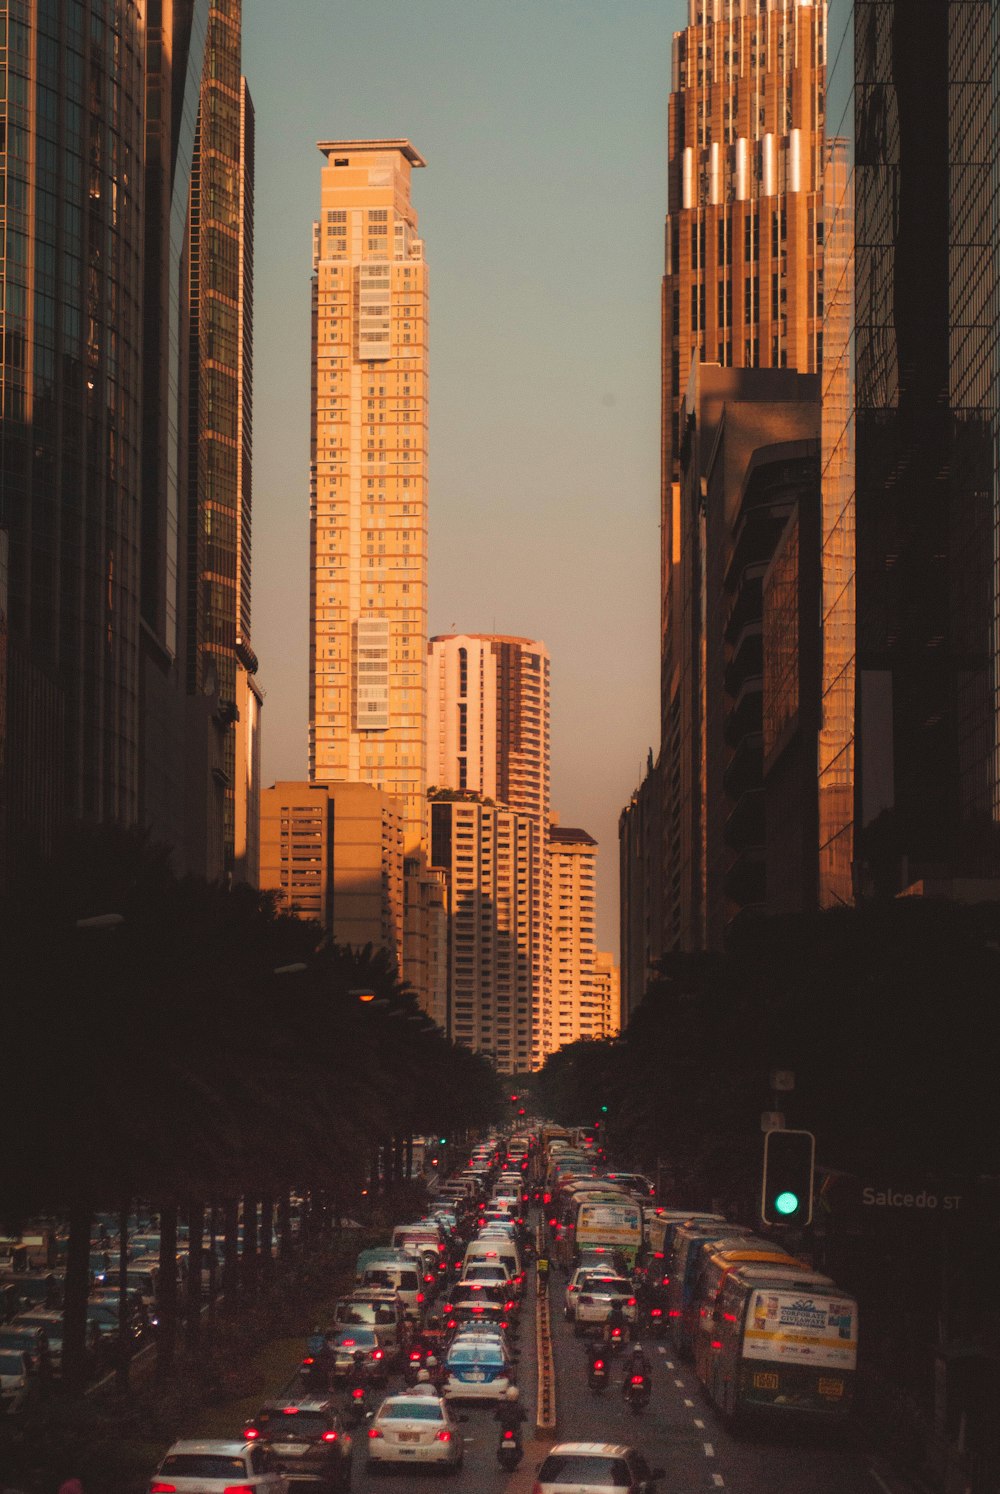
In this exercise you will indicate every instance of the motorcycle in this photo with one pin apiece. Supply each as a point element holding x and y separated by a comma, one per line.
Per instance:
<point>510,1451</point>
<point>314,1373</point>
<point>357,1406</point>
<point>416,1360</point>
<point>614,1339</point>
<point>598,1373</point>
<point>637,1391</point>
<point>656,1321</point>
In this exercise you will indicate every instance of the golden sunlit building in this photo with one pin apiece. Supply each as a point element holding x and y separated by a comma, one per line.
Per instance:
<point>333,852</point>
<point>604,1017</point>
<point>368,597</point>
<point>573,884</point>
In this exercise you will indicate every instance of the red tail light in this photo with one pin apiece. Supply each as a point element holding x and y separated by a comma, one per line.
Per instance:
<point>598,1364</point>
<point>443,1436</point>
<point>674,1312</point>
<point>416,1357</point>
<point>290,1411</point>
<point>638,1379</point>
<point>451,1323</point>
<point>420,1297</point>
<point>376,1354</point>
<point>630,1302</point>
<point>503,1325</point>
<point>553,1223</point>
<point>330,1436</point>
<point>374,1432</point>
<point>358,1394</point>
<point>448,1307</point>
<point>717,1343</point>
<point>508,1307</point>
<point>508,1436</point>
<point>239,1489</point>
<point>158,1488</point>
<point>309,1360</point>
<point>428,1278</point>
<point>656,1312</point>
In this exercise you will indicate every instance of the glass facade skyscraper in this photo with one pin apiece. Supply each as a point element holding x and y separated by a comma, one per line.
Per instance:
<point>71,256</point>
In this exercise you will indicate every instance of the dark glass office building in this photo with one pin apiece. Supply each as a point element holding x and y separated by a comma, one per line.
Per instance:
<point>927,347</point>
<point>71,237</point>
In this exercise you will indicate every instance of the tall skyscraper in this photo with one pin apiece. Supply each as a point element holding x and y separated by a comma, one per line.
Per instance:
<point>488,731</point>
<point>72,219</point>
<point>368,595</point>
<point>220,332</point>
<point>744,270</point>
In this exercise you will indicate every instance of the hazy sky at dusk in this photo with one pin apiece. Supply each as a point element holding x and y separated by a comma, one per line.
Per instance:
<point>544,128</point>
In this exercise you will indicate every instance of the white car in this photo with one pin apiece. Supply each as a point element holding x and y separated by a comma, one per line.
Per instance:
<point>596,1468</point>
<point>212,1467</point>
<point>415,1427</point>
<point>597,1296</point>
<point>15,1380</point>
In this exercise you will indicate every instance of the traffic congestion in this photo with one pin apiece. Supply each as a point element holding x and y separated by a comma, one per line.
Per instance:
<point>544,1324</point>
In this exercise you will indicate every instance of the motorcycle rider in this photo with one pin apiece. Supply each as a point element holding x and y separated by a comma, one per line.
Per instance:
<point>615,1319</point>
<point>638,1364</point>
<point>510,1413</point>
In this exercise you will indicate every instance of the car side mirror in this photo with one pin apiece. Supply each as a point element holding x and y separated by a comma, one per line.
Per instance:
<point>369,1416</point>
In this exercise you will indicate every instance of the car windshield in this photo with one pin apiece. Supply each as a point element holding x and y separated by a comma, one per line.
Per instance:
<point>203,1465</point>
<point>486,1273</point>
<point>607,1285</point>
<point>584,1468</point>
<point>11,1364</point>
<point>293,1424</point>
<point>357,1312</point>
<point>477,1293</point>
<point>475,1354</point>
<point>417,1409</point>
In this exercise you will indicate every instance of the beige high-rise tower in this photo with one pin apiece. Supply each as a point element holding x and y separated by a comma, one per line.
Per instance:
<point>368,598</point>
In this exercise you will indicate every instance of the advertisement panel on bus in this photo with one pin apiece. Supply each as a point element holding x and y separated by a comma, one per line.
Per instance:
<point>797,1328</point>
<point>617,1224</point>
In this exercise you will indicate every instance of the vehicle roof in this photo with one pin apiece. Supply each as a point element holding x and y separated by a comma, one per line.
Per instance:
<point>301,1402</point>
<point>593,1449</point>
<point>230,1448</point>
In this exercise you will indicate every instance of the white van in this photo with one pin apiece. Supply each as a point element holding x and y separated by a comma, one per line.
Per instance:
<point>493,1249</point>
<point>403,1277</point>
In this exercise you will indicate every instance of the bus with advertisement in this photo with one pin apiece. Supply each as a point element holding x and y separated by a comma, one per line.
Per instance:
<point>784,1344</point>
<point>613,1222</point>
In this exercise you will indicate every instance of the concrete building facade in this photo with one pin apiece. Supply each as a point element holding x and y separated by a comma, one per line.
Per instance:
<point>486,853</point>
<point>488,732</point>
<point>333,852</point>
<point>743,286</point>
<point>368,530</point>
<point>606,1018</point>
<point>572,855</point>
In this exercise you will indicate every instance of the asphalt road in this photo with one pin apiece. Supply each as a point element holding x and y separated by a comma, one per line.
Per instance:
<point>680,1432</point>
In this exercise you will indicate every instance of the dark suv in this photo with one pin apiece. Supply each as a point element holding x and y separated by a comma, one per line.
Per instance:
<point>308,1442</point>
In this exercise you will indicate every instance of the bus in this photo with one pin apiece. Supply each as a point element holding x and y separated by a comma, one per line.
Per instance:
<point>617,1224</point>
<point>782,1346</point>
<point>683,1259</point>
<point>711,1275</point>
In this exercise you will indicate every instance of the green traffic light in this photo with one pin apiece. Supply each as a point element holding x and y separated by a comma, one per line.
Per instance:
<point>604,1109</point>
<point>786,1203</point>
<point>444,1141</point>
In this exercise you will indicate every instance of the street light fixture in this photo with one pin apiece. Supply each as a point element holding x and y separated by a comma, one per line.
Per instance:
<point>293,969</point>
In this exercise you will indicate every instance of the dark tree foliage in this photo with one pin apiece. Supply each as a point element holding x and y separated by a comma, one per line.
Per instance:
<point>888,1015</point>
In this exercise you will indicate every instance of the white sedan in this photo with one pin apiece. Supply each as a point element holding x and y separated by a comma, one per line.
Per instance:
<point>212,1467</point>
<point>415,1427</point>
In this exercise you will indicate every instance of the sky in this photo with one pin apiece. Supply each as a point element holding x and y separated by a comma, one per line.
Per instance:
<point>544,128</point>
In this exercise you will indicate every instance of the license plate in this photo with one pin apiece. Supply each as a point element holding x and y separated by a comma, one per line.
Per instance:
<point>409,1436</point>
<point>763,1381</point>
<point>477,1377</point>
<point>828,1386</point>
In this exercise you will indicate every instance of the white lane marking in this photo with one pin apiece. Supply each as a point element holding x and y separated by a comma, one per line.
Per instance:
<point>880,1481</point>
<point>689,1403</point>
<point>718,1481</point>
<point>709,1450</point>
<point>680,1383</point>
<point>661,1350</point>
<point>699,1424</point>
<point>670,1362</point>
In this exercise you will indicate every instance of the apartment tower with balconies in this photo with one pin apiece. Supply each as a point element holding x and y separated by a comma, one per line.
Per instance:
<point>368,546</point>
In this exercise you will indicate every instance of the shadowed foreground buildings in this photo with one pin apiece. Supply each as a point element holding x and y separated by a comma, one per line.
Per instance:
<point>115,594</point>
